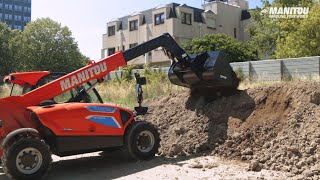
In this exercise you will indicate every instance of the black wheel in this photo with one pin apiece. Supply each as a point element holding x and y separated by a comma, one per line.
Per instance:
<point>142,140</point>
<point>27,158</point>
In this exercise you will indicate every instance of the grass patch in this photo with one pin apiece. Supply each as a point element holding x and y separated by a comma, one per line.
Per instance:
<point>121,90</point>
<point>123,94</point>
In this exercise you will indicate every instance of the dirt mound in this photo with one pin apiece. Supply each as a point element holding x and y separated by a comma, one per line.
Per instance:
<point>276,127</point>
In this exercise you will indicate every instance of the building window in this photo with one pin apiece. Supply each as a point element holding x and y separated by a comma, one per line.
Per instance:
<point>17,27</point>
<point>8,6</point>
<point>211,23</point>
<point>235,32</point>
<point>17,8</point>
<point>26,9</point>
<point>159,19</point>
<point>111,30</point>
<point>186,18</point>
<point>17,18</point>
<point>133,25</point>
<point>149,54</point>
<point>133,45</point>
<point>111,51</point>
<point>123,48</point>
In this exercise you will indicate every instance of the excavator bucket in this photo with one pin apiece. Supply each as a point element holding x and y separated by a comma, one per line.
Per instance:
<point>205,72</point>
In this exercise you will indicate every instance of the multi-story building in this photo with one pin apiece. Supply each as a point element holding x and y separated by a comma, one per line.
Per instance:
<point>15,13</point>
<point>183,22</point>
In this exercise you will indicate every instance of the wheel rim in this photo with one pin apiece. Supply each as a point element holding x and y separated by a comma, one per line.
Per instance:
<point>145,141</point>
<point>29,160</point>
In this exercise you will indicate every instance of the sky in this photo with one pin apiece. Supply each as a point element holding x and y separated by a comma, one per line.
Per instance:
<point>87,18</point>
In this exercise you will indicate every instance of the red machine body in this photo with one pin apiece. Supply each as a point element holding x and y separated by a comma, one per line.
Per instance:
<point>82,119</point>
<point>26,78</point>
<point>67,121</point>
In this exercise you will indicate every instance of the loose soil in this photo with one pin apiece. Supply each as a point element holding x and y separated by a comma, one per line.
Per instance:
<point>275,127</point>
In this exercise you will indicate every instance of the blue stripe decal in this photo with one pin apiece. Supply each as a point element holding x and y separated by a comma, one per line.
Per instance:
<point>104,109</point>
<point>104,120</point>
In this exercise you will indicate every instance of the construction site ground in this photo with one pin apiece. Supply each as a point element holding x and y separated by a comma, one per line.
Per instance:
<point>265,132</point>
<point>116,166</point>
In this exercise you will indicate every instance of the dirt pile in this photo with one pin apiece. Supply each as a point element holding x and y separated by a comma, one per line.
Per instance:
<point>275,127</point>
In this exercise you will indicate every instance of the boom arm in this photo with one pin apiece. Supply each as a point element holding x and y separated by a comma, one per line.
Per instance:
<point>170,46</point>
<point>100,69</point>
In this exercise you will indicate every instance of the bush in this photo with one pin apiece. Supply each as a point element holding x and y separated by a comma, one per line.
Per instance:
<point>240,74</point>
<point>127,74</point>
<point>121,91</point>
<point>235,50</point>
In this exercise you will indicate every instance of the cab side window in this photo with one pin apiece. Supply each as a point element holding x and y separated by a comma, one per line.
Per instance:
<point>62,98</point>
<point>65,97</point>
<point>91,96</point>
<point>16,90</point>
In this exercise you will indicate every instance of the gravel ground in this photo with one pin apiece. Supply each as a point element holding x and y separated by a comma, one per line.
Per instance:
<point>116,166</point>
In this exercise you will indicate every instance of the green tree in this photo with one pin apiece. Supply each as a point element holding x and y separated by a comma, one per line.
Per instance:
<point>46,45</point>
<point>236,51</point>
<point>305,41</point>
<point>127,72</point>
<point>7,61</point>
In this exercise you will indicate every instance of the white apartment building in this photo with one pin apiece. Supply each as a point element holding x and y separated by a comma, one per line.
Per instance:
<point>183,22</point>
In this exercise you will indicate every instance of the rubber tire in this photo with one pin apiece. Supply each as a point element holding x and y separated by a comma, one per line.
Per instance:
<point>9,158</point>
<point>131,134</point>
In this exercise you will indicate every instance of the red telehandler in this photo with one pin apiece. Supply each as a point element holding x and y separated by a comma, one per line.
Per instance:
<point>63,114</point>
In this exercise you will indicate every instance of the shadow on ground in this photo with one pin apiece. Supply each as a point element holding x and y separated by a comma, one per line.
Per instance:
<point>100,167</point>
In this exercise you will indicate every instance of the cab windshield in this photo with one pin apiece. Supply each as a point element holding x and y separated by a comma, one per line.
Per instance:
<point>17,90</point>
<point>90,96</point>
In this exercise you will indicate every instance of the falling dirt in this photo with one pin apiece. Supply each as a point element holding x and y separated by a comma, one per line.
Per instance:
<point>275,127</point>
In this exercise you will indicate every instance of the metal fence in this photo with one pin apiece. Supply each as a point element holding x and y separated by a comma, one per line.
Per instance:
<point>119,73</point>
<point>266,70</point>
<point>280,69</point>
